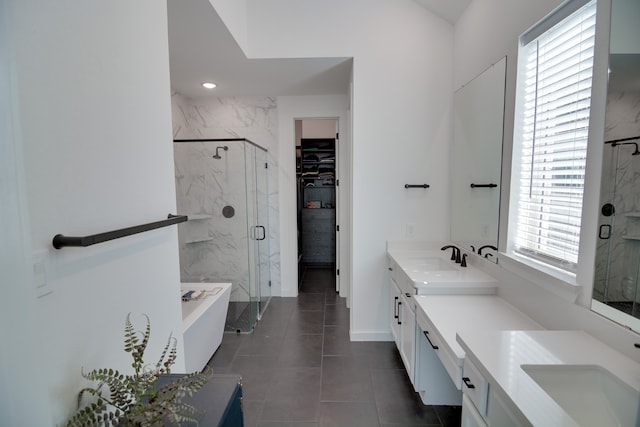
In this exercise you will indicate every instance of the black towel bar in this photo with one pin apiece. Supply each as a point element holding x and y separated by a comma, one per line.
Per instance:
<point>60,241</point>
<point>483,185</point>
<point>416,186</point>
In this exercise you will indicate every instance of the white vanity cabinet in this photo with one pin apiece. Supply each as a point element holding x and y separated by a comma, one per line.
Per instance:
<point>396,303</point>
<point>470,415</point>
<point>403,317</point>
<point>408,334</point>
<point>481,406</point>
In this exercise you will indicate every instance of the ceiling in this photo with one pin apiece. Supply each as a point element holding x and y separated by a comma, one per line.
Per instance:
<point>201,49</point>
<point>450,10</point>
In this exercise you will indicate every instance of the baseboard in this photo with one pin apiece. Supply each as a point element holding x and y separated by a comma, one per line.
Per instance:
<point>370,336</point>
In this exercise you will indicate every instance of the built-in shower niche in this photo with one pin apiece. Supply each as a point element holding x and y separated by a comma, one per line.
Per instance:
<point>221,185</point>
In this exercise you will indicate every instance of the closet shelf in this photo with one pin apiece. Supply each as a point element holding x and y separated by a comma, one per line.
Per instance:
<point>632,214</point>
<point>627,237</point>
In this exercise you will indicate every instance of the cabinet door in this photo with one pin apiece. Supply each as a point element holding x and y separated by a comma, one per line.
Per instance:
<point>500,412</point>
<point>470,415</point>
<point>394,297</point>
<point>408,334</point>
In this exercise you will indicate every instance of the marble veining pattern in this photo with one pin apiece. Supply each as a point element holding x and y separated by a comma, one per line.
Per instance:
<point>253,118</point>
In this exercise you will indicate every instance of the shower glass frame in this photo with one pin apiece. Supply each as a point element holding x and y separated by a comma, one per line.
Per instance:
<point>231,248</point>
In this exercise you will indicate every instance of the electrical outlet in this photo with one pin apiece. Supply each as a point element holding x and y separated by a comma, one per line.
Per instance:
<point>40,273</point>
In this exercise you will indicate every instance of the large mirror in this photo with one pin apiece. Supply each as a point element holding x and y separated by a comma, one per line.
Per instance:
<point>476,158</point>
<point>616,290</point>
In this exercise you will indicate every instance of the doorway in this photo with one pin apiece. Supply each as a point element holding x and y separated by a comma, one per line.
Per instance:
<point>317,195</point>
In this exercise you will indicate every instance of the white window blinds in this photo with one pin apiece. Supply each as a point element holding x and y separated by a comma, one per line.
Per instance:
<point>552,122</point>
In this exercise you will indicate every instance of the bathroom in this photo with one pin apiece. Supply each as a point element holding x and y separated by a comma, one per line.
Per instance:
<point>111,125</point>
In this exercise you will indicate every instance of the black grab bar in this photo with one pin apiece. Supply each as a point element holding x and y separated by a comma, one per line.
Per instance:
<point>483,185</point>
<point>60,241</point>
<point>417,186</point>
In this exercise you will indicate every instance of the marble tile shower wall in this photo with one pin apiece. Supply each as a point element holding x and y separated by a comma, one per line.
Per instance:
<point>620,184</point>
<point>253,118</point>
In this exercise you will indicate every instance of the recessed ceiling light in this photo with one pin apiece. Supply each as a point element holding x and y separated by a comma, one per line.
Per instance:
<point>209,85</point>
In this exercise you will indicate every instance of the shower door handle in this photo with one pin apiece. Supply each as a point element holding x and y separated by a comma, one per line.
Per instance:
<point>264,233</point>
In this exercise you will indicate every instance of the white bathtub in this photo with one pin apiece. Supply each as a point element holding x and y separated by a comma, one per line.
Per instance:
<point>203,322</point>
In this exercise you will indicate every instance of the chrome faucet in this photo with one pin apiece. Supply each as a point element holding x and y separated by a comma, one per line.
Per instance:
<point>455,253</point>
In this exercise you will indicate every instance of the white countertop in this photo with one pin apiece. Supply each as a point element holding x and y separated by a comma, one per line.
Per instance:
<point>500,354</point>
<point>452,313</point>
<point>440,280</point>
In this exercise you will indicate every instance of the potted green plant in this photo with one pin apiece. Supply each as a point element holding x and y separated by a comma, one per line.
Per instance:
<point>136,399</point>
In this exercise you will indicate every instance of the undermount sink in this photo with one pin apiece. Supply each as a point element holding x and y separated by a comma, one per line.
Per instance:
<point>590,395</point>
<point>431,263</point>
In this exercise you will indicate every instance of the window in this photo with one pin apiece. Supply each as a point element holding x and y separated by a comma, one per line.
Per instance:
<point>553,99</point>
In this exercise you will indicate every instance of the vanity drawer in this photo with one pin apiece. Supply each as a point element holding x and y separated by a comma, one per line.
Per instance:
<point>475,386</point>
<point>449,360</point>
<point>394,269</point>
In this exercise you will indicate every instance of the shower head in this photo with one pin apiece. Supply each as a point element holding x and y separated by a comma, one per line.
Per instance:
<point>635,144</point>
<point>217,155</point>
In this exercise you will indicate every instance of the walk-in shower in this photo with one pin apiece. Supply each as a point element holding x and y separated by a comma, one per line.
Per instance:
<point>618,254</point>
<point>226,237</point>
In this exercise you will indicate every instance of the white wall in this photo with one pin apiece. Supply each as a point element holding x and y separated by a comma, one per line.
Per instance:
<point>488,30</point>
<point>22,387</point>
<point>401,106</point>
<point>291,108</point>
<point>95,119</point>
<point>234,15</point>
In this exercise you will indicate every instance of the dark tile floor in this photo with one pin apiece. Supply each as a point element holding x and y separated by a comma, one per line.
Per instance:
<point>300,369</point>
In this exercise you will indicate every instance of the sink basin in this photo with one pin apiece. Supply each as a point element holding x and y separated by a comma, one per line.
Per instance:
<point>591,395</point>
<point>431,263</point>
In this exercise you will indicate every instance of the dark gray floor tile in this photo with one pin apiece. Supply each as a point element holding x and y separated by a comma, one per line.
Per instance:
<point>348,414</point>
<point>258,343</point>
<point>256,373</point>
<point>306,322</point>
<point>346,379</point>
<point>251,410</point>
<point>410,425</point>
<point>392,385</point>
<point>311,301</point>
<point>316,286</point>
<point>227,351</point>
<point>384,355</point>
<point>279,309</point>
<point>293,396</point>
<point>300,369</point>
<point>300,351</point>
<point>333,298</point>
<point>336,315</point>
<point>337,342</point>
<point>288,424</point>
<point>320,274</point>
<point>407,413</point>
<point>397,402</point>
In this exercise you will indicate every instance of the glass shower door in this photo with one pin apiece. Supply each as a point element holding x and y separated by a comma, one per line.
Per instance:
<point>263,274</point>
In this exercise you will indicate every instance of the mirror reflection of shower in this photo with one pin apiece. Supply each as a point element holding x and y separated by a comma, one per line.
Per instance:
<point>616,142</point>
<point>617,281</point>
<point>217,155</point>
